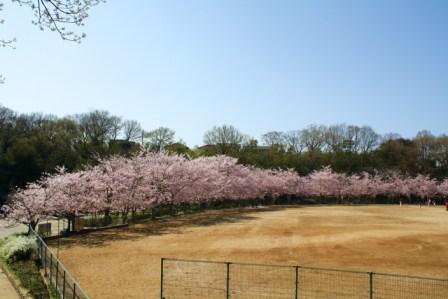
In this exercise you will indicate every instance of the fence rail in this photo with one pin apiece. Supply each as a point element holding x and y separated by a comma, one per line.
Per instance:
<point>62,281</point>
<point>181,279</point>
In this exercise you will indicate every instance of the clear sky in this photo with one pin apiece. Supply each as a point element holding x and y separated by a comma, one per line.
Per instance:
<point>258,65</point>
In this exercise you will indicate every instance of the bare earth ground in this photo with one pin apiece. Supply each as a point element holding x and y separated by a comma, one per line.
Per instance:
<point>7,291</point>
<point>125,263</point>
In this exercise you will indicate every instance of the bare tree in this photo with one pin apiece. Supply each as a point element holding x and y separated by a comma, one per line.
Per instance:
<point>441,151</point>
<point>313,137</point>
<point>294,141</point>
<point>225,138</point>
<point>334,137</point>
<point>97,126</point>
<point>159,138</point>
<point>116,126</point>
<point>273,138</point>
<point>132,130</point>
<point>7,117</point>
<point>368,139</point>
<point>425,141</point>
<point>351,142</point>
<point>350,138</point>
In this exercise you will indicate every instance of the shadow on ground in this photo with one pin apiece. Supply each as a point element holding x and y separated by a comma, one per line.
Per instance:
<point>168,225</point>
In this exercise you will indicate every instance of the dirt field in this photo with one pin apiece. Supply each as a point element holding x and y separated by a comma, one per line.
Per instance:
<point>125,263</point>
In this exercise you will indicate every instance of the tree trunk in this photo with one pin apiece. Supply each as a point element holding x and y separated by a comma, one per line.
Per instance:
<point>31,226</point>
<point>124,216</point>
<point>106,219</point>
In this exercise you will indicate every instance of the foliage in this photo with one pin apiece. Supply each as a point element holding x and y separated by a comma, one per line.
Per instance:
<point>18,248</point>
<point>32,145</point>
<point>155,179</point>
<point>27,271</point>
<point>19,252</point>
<point>179,148</point>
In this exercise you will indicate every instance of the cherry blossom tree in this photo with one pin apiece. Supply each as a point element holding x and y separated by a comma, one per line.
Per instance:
<point>70,194</point>
<point>443,188</point>
<point>423,186</point>
<point>326,183</point>
<point>156,179</point>
<point>29,205</point>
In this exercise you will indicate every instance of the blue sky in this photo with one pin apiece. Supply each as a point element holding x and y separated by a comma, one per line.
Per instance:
<point>258,65</point>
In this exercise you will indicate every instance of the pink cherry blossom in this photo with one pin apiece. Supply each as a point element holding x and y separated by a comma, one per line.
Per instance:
<point>149,180</point>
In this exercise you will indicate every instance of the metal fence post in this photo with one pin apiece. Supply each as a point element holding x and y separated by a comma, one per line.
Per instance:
<point>45,261</point>
<point>38,250</point>
<point>370,285</point>
<point>228,280</point>
<point>63,288</point>
<point>40,253</point>
<point>297,283</point>
<point>56,279</point>
<point>161,277</point>
<point>74,290</point>
<point>51,265</point>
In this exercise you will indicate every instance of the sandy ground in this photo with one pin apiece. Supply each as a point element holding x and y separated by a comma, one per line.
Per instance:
<point>7,291</point>
<point>125,263</point>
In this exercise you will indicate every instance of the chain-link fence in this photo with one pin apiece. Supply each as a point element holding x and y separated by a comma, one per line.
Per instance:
<point>60,279</point>
<point>213,280</point>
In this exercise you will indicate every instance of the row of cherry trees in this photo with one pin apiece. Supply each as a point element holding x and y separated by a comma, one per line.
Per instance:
<point>151,180</point>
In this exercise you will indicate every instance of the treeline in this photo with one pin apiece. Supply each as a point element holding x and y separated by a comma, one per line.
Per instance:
<point>152,181</point>
<point>346,148</point>
<point>33,144</point>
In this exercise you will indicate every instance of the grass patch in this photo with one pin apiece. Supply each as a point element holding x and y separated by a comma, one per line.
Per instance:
<point>27,271</point>
<point>18,254</point>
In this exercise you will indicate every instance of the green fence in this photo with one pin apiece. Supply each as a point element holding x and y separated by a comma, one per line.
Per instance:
<point>58,276</point>
<point>225,280</point>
